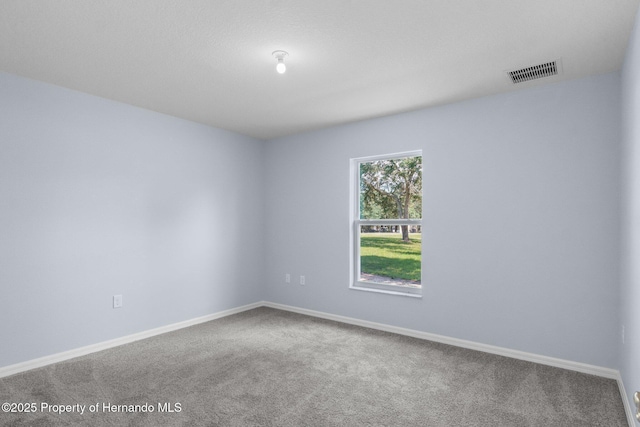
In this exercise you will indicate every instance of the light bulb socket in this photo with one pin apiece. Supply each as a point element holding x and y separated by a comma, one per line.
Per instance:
<point>280,55</point>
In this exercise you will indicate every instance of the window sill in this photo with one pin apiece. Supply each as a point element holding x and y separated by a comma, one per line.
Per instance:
<point>383,291</point>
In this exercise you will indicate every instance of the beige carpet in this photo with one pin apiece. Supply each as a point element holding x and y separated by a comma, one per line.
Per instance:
<point>268,367</point>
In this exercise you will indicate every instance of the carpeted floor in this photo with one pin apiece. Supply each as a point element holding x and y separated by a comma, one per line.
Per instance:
<point>267,367</point>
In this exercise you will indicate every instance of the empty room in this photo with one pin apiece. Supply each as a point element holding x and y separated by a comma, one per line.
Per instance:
<point>320,213</point>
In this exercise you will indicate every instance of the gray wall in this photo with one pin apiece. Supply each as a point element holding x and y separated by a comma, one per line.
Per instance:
<point>630,288</point>
<point>521,210</point>
<point>99,198</point>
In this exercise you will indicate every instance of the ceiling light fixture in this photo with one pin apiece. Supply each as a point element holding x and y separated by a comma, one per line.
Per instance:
<point>279,55</point>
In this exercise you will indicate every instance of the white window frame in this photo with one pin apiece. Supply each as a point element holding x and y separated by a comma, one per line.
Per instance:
<point>356,223</point>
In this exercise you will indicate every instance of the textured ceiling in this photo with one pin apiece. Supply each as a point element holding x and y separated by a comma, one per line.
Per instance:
<point>210,60</point>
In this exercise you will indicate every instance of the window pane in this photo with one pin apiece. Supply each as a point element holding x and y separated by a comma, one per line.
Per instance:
<point>391,255</point>
<point>391,188</point>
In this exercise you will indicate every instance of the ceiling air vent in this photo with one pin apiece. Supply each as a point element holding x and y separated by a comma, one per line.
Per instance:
<point>534,72</point>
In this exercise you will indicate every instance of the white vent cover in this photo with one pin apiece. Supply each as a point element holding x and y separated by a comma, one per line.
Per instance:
<point>534,72</point>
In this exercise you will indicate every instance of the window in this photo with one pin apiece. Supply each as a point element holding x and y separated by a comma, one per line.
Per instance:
<point>387,223</point>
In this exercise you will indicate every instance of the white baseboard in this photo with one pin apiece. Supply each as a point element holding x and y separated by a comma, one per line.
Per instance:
<point>66,355</point>
<point>625,401</point>
<point>501,351</point>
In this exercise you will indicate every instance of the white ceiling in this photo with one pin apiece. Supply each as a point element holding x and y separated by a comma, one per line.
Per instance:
<point>210,60</point>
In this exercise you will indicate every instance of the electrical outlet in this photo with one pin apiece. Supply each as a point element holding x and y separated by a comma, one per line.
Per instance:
<point>287,278</point>
<point>117,301</point>
<point>302,281</point>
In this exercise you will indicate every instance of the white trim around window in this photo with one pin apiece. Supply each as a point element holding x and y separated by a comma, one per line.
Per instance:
<point>356,281</point>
